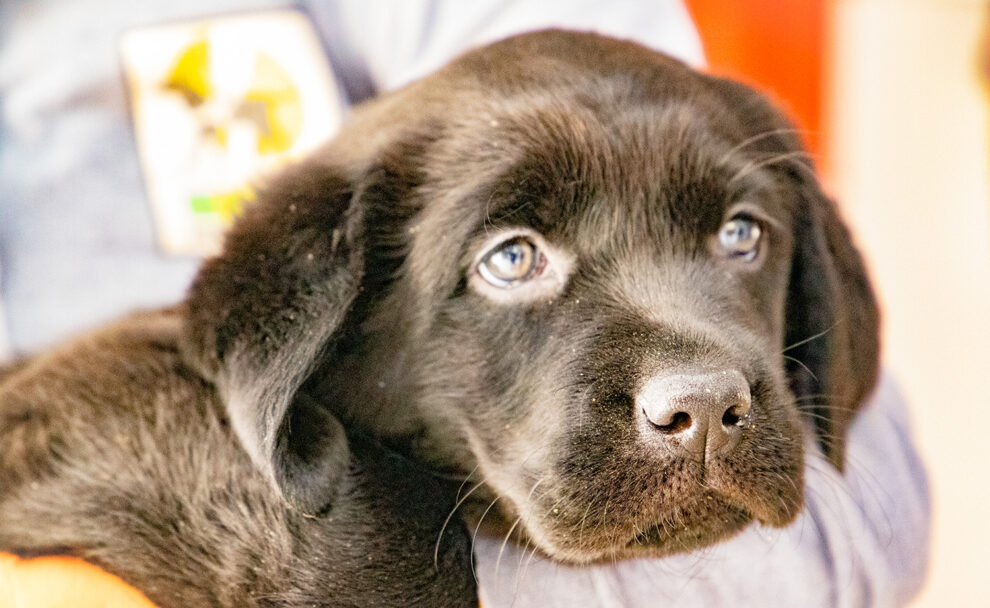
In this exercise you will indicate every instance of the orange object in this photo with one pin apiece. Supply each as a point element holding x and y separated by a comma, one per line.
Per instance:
<point>63,582</point>
<point>778,46</point>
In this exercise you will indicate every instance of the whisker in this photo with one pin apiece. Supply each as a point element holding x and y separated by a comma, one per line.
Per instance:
<point>581,525</point>
<point>756,138</point>
<point>529,560</point>
<point>872,486</point>
<point>814,415</point>
<point>436,549</point>
<point>474,537</point>
<point>815,396</point>
<point>505,541</point>
<point>801,363</point>
<point>756,165</point>
<point>828,407</point>
<point>514,524</point>
<point>809,339</point>
<point>522,565</point>
<point>466,479</point>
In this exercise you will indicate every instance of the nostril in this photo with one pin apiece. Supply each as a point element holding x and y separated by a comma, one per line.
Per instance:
<point>732,416</point>
<point>737,413</point>
<point>680,421</point>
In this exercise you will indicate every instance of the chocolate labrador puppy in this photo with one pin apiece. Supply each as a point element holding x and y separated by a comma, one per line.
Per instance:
<point>605,289</point>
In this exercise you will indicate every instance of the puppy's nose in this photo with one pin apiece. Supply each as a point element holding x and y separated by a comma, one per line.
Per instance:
<point>701,413</point>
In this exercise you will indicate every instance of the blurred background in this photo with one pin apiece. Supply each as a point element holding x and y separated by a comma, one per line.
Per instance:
<point>891,96</point>
<point>894,97</point>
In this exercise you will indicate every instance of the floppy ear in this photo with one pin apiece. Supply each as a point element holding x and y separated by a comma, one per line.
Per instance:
<point>831,334</point>
<point>262,314</point>
<point>832,326</point>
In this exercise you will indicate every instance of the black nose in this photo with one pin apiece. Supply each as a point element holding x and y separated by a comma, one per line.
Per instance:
<point>701,413</point>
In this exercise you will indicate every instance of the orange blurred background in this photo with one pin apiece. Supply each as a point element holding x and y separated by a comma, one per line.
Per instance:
<point>777,45</point>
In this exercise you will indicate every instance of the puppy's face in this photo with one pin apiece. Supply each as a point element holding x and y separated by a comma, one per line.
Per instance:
<point>591,279</point>
<point>604,325</point>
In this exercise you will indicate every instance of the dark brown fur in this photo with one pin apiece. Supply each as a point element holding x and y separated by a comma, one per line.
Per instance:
<point>342,308</point>
<point>115,451</point>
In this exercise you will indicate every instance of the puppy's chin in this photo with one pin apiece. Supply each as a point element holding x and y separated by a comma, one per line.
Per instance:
<point>700,521</point>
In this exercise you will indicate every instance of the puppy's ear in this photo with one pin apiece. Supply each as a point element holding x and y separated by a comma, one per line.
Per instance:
<point>832,333</point>
<point>261,315</point>
<point>832,342</point>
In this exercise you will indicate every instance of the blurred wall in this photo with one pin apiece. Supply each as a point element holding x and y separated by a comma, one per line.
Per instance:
<point>908,146</point>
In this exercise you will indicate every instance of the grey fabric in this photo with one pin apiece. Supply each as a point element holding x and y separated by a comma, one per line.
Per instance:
<point>388,43</point>
<point>862,540</point>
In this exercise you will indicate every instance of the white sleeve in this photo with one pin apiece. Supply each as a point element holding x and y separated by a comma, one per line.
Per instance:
<point>862,540</point>
<point>397,41</point>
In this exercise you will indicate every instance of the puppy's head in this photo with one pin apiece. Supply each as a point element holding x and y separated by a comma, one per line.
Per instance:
<point>605,285</point>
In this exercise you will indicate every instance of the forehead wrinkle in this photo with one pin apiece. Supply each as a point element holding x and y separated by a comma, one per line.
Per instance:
<point>671,190</point>
<point>665,189</point>
<point>564,154</point>
<point>573,162</point>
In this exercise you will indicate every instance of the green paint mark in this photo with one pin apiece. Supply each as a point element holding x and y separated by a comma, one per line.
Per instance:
<point>202,204</point>
<point>228,204</point>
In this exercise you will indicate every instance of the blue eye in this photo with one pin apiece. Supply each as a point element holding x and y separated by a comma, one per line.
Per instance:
<point>511,263</point>
<point>740,238</point>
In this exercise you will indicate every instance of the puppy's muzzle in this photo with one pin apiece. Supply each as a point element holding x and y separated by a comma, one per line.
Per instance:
<point>700,415</point>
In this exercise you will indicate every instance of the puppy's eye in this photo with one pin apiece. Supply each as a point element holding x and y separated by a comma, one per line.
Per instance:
<point>511,263</point>
<point>740,238</point>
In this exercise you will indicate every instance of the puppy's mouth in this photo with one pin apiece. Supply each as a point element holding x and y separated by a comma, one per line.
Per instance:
<point>694,524</point>
<point>639,513</point>
<point>658,530</point>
